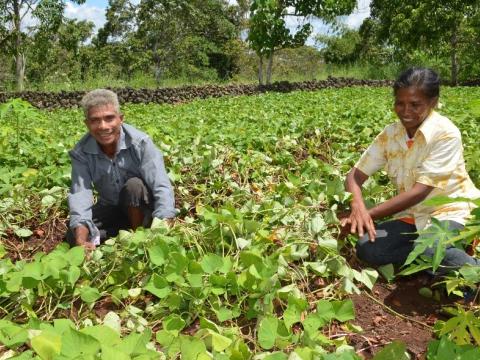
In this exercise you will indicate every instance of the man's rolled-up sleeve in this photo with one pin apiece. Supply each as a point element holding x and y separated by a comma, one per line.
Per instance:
<point>155,176</point>
<point>80,198</point>
<point>441,162</point>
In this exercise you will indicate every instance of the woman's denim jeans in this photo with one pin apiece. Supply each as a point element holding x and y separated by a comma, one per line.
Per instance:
<point>395,240</point>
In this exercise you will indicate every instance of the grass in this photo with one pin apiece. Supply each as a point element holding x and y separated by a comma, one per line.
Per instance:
<point>282,71</point>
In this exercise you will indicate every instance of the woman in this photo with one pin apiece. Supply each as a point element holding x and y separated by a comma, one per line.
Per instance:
<point>423,156</point>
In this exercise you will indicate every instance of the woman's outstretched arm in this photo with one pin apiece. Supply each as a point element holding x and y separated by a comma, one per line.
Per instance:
<point>361,218</point>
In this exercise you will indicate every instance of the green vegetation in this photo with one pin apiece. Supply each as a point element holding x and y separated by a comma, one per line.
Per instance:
<point>268,31</point>
<point>440,28</point>
<point>400,34</point>
<point>252,267</point>
<point>172,42</point>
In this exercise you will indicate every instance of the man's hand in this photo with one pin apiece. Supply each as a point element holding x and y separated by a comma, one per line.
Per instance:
<point>170,222</point>
<point>86,244</point>
<point>344,228</point>
<point>359,221</point>
<point>81,238</point>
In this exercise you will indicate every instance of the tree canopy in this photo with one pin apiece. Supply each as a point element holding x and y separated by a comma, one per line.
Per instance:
<point>436,26</point>
<point>48,13</point>
<point>268,31</point>
<point>156,41</point>
<point>178,36</point>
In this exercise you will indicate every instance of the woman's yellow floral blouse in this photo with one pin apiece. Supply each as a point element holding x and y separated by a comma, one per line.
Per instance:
<point>435,159</point>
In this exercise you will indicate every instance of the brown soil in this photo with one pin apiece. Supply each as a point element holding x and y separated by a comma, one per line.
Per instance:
<point>103,306</point>
<point>45,238</point>
<point>395,312</point>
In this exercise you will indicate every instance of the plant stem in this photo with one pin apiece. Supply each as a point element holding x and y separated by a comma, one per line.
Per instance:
<point>389,309</point>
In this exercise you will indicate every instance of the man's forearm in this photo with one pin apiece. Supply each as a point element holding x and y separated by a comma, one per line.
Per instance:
<point>164,202</point>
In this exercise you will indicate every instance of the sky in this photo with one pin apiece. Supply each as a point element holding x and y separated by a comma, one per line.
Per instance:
<point>94,10</point>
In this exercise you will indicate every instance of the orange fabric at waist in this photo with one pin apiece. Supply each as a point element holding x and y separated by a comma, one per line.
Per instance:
<point>408,220</point>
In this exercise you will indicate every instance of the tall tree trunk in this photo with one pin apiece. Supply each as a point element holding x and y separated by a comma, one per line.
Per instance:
<point>260,70</point>
<point>157,67</point>
<point>19,56</point>
<point>454,59</point>
<point>158,74</point>
<point>20,70</point>
<point>269,68</point>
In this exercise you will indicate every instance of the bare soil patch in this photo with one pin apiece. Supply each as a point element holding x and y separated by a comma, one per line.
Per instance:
<point>396,312</point>
<point>45,238</point>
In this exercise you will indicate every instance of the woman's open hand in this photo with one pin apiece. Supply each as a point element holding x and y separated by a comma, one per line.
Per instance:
<point>359,221</point>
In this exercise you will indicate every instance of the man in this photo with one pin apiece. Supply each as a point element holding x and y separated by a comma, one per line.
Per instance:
<point>123,166</point>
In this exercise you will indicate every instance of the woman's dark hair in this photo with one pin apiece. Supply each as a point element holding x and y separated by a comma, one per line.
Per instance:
<point>425,79</point>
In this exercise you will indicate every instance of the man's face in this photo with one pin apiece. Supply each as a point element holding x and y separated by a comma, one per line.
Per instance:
<point>412,107</point>
<point>104,124</point>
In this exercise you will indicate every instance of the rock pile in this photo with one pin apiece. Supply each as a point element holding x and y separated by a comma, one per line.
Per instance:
<point>474,82</point>
<point>67,99</point>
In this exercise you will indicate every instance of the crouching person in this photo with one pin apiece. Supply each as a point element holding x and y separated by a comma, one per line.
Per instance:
<point>125,169</point>
<point>422,154</point>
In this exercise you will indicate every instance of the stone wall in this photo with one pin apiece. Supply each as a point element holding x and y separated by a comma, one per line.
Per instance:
<point>66,99</point>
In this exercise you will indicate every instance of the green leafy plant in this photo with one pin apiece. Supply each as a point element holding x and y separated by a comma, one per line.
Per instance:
<point>462,327</point>
<point>253,266</point>
<point>444,349</point>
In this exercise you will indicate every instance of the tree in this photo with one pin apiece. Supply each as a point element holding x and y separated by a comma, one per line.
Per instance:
<point>175,37</point>
<point>341,48</point>
<point>119,38</point>
<point>470,51</point>
<point>241,14</point>
<point>217,24</point>
<point>428,24</point>
<point>51,53</point>
<point>120,16</point>
<point>372,50</point>
<point>164,25</point>
<point>195,34</point>
<point>13,12</point>
<point>268,31</point>
<point>73,33</point>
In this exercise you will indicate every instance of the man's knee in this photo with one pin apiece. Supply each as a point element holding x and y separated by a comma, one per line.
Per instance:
<point>134,193</point>
<point>373,253</point>
<point>429,252</point>
<point>134,185</point>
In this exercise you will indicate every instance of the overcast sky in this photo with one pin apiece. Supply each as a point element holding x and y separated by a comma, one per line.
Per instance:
<point>94,10</point>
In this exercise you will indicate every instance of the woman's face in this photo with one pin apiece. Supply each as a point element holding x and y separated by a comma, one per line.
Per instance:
<point>412,107</point>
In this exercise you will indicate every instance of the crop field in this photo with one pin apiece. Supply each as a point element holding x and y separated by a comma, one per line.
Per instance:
<point>253,267</point>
